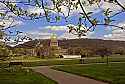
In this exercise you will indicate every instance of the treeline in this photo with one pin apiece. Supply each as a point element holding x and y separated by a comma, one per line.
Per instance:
<point>89,47</point>
<point>93,47</point>
<point>95,51</point>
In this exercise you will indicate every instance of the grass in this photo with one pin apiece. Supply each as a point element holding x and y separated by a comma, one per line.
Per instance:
<point>25,58</point>
<point>46,62</point>
<point>113,73</point>
<point>23,77</point>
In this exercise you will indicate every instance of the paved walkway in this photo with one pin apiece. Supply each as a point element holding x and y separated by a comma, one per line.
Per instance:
<point>65,78</point>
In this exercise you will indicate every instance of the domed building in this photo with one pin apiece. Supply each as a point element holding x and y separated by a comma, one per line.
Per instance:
<point>54,48</point>
<point>49,48</point>
<point>53,40</point>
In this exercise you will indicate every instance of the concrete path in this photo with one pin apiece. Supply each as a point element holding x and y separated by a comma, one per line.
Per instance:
<point>65,78</point>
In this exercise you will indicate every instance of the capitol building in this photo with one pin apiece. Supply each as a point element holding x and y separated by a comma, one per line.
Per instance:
<point>52,50</point>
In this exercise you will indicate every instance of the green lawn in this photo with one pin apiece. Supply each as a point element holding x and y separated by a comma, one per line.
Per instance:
<point>25,58</point>
<point>45,62</point>
<point>114,73</point>
<point>23,77</point>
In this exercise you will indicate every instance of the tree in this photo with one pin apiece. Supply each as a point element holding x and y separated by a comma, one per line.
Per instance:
<point>120,50</point>
<point>53,11</point>
<point>103,52</point>
<point>87,52</point>
<point>77,50</point>
<point>70,51</point>
<point>4,52</point>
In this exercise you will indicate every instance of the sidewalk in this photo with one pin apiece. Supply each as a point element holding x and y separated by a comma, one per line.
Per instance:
<point>65,78</point>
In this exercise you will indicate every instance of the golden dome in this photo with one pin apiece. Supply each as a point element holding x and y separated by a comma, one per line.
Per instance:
<point>53,36</point>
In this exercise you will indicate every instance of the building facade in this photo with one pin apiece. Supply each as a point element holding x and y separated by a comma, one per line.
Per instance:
<point>52,50</point>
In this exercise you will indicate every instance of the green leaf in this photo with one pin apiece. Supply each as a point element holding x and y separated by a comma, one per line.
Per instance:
<point>58,18</point>
<point>76,5</point>
<point>37,3</point>
<point>1,34</point>
<point>108,21</point>
<point>94,22</point>
<point>83,15</point>
<point>1,26</point>
<point>29,1</point>
<point>83,3</point>
<point>2,14</point>
<point>89,13</point>
<point>18,12</point>
<point>107,12</point>
<point>53,1</point>
<point>48,19</point>
<point>14,7</point>
<point>59,9</point>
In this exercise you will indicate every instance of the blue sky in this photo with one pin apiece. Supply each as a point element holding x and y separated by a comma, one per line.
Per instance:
<point>41,29</point>
<point>40,24</point>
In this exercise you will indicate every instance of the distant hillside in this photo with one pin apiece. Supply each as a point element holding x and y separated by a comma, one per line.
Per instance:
<point>84,43</point>
<point>94,43</point>
<point>34,43</point>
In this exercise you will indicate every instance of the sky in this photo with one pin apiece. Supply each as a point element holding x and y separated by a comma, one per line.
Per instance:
<point>41,29</point>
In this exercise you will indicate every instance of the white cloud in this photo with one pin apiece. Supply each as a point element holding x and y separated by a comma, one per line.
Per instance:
<point>9,18</point>
<point>56,28</point>
<point>10,22</point>
<point>36,10</point>
<point>116,34</point>
<point>38,35</point>
<point>93,8</point>
<point>89,8</point>
<point>65,9</point>
<point>112,6</point>
<point>12,43</point>
<point>43,33</point>
<point>68,35</point>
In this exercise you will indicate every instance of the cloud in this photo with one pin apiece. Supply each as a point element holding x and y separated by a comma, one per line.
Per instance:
<point>112,6</point>
<point>61,31</point>
<point>38,35</point>
<point>116,34</point>
<point>10,22</point>
<point>64,9</point>
<point>68,35</point>
<point>43,32</point>
<point>36,10</point>
<point>88,8</point>
<point>92,8</point>
<point>12,43</point>
<point>9,18</point>
<point>56,28</point>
